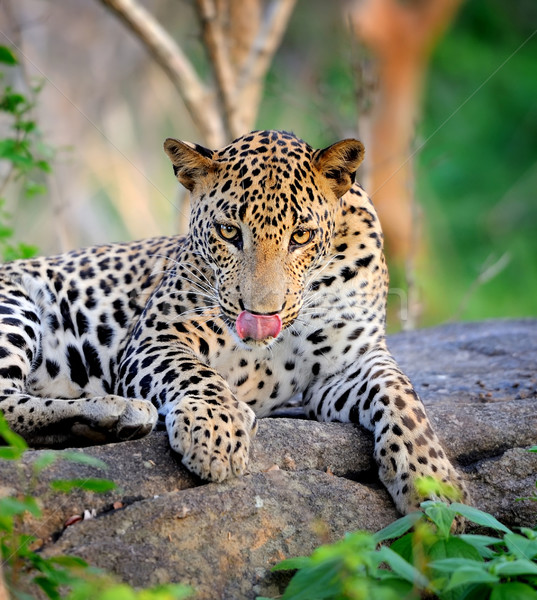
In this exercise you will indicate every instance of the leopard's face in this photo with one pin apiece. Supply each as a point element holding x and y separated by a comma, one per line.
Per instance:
<point>263,212</point>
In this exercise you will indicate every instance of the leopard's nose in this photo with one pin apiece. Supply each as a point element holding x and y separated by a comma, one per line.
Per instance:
<point>263,295</point>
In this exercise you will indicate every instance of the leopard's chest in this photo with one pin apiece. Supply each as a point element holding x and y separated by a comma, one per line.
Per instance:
<point>264,378</point>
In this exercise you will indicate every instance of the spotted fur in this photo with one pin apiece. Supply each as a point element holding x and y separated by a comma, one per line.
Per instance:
<point>98,344</point>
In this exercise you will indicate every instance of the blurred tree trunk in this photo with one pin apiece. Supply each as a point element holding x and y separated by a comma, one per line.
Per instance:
<point>3,589</point>
<point>401,35</point>
<point>241,38</point>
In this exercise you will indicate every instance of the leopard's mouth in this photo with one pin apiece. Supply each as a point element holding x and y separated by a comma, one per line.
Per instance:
<point>258,327</point>
<point>254,330</point>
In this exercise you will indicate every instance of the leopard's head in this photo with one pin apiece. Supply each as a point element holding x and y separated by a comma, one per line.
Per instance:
<point>263,213</point>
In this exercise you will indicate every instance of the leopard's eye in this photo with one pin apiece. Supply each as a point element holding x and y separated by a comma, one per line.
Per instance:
<point>301,237</point>
<point>230,233</point>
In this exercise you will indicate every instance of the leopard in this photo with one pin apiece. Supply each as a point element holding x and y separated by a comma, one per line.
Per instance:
<point>278,291</point>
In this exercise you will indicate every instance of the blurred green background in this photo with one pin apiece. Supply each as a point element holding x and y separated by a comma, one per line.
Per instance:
<point>477,175</point>
<point>476,149</point>
<point>107,108</point>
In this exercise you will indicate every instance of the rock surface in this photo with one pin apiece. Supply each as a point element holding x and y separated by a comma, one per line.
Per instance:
<point>309,482</point>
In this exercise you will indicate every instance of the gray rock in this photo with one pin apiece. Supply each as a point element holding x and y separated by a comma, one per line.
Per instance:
<point>309,483</point>
<point>225,540</point>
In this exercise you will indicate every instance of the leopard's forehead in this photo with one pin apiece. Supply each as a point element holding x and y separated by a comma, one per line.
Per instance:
<point>266,178</point>
<point>265,146</point>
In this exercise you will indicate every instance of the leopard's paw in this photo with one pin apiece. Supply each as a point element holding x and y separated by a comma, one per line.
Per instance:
<point>213,439</point>
<point>450,489</point>
<point>137,420</point>
<point>113,418</point>
<point>412,478</point>
<point>409,492</point>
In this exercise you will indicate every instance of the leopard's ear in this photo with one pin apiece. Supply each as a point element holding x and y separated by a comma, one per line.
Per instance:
<point>338,163</point>
<point>190,161</point>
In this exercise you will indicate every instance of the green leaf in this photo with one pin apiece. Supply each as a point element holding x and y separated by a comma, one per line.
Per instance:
<point>26,250</point>
<point>7,56</point>
<point>400,587</point>
<point>25,126</point>
<point>516,568</point>
<point>5,232</point>
<point>467,575</point>
<point>481,543</point>
<point>529,533</point>
<point>479,517</point>
<point>291,564</point>
<point>32,189</point>
<point>513,591</point>
<point>15,151</point>
<point>431,487</point>
<point>50,588</point>
<point>397,528</point>
<point>9,147</point>
<point>10,506</point>
<point>83,459</point>
<point>14,440</point>
<point>68,561</point>
<point>453,547</point>
<point>20,251</point>
<point>403,547</point>
<point>401,567</point>
<point>90,484</point>
<point>44,460</point>
<point>453,564</point>
<point>521,546</point>
<point>478,591</point>
<point>317,583</point>
<point>361,587</point>
<point>532,449</point>
<point>441,515</point>
<point>44,166</point>
<point>10,453</point>
<point>10,102</point>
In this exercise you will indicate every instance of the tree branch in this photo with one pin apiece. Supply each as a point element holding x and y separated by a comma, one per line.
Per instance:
<point>251,77</point>
<point>213,37</point>
<point>172,59</point>
<point>267,42</point>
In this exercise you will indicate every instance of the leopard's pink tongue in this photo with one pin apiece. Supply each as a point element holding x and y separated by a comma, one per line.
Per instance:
<point>258,327</point>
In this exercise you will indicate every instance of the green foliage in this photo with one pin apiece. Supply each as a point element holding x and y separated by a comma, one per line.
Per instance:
<point>7,57</point>
<point>426,560</point>
<point>25,155</point>
<point>15,445</point>
<point>477,172</point>
<point>30,575</point>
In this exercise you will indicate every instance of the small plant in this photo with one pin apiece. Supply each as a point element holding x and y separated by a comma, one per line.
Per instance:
<point>29,575</point>
<point>425,560</point>
<point>24,158</point>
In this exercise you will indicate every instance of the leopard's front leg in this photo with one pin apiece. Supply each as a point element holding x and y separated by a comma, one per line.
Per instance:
<point>375,393</point>
<point>206,424</point>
